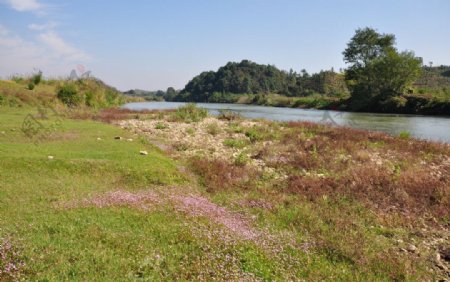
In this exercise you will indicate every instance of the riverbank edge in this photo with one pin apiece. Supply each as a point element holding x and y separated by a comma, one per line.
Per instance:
<point>405,104</point>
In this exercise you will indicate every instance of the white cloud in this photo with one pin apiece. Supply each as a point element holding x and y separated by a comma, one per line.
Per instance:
<point>61,48</point>
<point>41,27</point>
<point>50,53</point>
<point>25,5</point>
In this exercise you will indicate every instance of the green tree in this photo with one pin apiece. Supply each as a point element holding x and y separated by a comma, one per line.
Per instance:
<point>377,71</point>
<point>170,94</point>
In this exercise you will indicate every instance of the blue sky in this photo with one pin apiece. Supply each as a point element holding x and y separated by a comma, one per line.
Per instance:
<point>154,44</point>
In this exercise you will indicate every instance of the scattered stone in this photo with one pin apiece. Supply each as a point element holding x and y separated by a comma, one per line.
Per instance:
<point>130,140</point>
<point>445,254</point>
<point>98,138</point>
<point>411,248</point>
<point>118,138</point>
<point>50,157</point>
<point>144,153</point>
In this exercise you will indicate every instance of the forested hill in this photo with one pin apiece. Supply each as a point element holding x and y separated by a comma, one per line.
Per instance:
<point>248,77</point>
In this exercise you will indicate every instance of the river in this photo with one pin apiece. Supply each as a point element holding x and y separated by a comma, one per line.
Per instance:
<point>421,127</point>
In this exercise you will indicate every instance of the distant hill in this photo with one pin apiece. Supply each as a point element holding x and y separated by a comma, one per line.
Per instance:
<point>248,77</point>
<point>86,92</point>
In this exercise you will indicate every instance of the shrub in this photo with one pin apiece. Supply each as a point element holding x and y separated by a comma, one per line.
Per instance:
<point>213,128</point>
<point>404,135</point>
<point>236,128</point>
<point>67,93</point>
<point>190,131</point>
<point>36,78</point>
<point>190,113</point>
<point>235,143</point>
<point>229,115</point>
<point>160,125</point>
<point>17,79</point>
<point>254,134</point>
<point>30,86</point>
<point>89,99</point>
<point>241,159</point>
<point>111,97</point>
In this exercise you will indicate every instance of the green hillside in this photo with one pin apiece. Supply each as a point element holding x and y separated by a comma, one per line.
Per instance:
<point>88,92</point>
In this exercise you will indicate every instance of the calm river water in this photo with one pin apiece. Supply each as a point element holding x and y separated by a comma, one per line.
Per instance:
<point>423,127</point>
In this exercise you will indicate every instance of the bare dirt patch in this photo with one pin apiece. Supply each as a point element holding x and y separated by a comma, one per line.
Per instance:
<point>142,200</point>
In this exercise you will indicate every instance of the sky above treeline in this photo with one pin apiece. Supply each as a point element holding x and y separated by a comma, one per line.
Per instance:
<point>154,44</point>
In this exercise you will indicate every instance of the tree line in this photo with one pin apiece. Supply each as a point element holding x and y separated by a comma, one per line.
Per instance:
<point>377,78</point>
<point>246,77</point>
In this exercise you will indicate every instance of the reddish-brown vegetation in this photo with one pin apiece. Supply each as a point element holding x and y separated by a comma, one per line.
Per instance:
<point>376,169</point>
<point>219,175</point>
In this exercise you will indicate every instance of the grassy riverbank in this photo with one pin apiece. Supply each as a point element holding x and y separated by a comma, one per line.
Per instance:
<point>223,199</point>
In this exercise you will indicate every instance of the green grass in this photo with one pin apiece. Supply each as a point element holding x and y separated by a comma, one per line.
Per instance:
<point>81,244</point>
<point>335,239</point>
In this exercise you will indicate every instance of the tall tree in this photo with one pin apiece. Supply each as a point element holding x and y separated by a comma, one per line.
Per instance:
<point>377,71</point>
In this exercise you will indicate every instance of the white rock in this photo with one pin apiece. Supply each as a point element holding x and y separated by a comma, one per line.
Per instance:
<point>98,138</point>
<point>144,153</point>
<point>411,248</point>
<point>130,140</point>
<point>50,157</point>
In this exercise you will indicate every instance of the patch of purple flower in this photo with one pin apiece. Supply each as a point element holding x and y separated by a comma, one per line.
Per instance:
<point>10,264</point>
<point>200,206</point>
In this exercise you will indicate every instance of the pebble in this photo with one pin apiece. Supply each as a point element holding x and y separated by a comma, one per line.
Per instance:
<point>50,157</point>
<point>144,153</point>
<point>130,140</point>
<point>118,138</point>
<point>98,138</point>
<point>411,248</point>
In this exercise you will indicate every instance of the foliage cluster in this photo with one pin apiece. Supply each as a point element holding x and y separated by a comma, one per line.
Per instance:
<point>229,82</point>
<point>189,113</point>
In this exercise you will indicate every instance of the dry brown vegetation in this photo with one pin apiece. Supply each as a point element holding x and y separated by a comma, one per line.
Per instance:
<point>385,172</point>
<point>113,114</point>
<point>220,175</point>
<point>355,197</point>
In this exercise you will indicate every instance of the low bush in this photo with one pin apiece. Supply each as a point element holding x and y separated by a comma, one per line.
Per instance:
<point>235,143</point>
<point>404,135</point>
<point>190,131</point>
<point>37,77</point>
<point>68,94</point>
<point>213,129</point>
<point>160,125</point>
<point>229,115</point>
<point>190,113</point>
<point>241,159</point>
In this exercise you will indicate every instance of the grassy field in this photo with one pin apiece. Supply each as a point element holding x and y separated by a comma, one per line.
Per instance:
<point>98,210</point>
